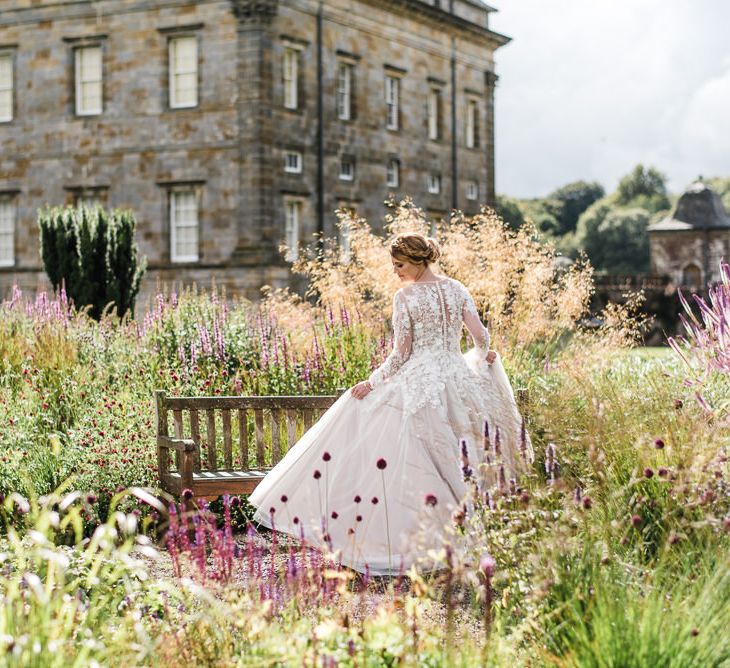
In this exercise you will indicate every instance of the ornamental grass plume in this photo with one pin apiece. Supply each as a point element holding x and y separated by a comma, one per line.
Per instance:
<point>480,251</point>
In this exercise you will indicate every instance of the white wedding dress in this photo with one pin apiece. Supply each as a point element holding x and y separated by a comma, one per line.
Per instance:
<point>426,397</point>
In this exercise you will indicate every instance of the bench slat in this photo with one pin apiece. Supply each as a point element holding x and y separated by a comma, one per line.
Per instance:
<point>161,419</point>
<point>212,464</point>
<point>195,435</point>
<point>231,403</point>
<point>177,420</point>
<point>308,414</point>
<point>227,447</point>
<point>243,437</point>
<point>291,428</point>
<point>275,436</point>
<point>259,429</point>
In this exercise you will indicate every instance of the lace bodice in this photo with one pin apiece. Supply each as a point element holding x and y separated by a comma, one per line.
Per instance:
<point>427,323</point>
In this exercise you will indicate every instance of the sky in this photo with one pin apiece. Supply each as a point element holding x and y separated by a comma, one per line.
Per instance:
<point>590,88</point>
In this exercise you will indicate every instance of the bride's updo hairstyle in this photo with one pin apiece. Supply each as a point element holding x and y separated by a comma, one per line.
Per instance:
<point>415,248</point>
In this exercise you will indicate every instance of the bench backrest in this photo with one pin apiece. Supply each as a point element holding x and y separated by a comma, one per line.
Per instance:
<point>240,433</point>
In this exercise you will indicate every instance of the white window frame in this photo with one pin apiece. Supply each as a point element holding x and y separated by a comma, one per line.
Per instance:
<point>434,112</point>
<point>293,162</point>
<point>176,74</point>
<point>292,227</point>
<point>392,173</point>
<point>434,184</point>
<point>176,195</point>
<point>345,237</point>
<point>472,190</point>
<point>80,82</point>
<point>344,90</point>
<point>346,175</point>
<point>8,214</point>
<point>472,123</point>
<point>290,76</point>
<point>392,101</point>
<point>7,86</point>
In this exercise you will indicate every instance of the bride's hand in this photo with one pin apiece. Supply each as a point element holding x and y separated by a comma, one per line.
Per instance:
<point>361,390</point>
<point>491,356</point>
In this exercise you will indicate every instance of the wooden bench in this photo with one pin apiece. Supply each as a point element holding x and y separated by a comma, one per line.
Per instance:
<point>242,439</point>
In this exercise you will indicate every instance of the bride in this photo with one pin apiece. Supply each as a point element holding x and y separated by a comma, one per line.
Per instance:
<point>360,480</point>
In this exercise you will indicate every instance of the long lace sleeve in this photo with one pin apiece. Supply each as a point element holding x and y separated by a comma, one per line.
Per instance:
<point>402,341</point>
<point>479,333</point>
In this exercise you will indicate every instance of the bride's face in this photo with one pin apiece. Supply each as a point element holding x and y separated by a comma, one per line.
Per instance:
<point>406,271</point>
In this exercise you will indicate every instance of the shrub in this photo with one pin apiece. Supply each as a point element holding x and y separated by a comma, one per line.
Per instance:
<point>93,255</point>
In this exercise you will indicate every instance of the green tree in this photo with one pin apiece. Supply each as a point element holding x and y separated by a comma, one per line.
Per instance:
<point>616,240</point>
<point>509,211</point>
<point>643,187</point>
<point>92,254</point>
<point>573,198</point>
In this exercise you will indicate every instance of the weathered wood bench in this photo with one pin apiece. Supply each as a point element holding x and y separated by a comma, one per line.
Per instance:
<point>244,437</point>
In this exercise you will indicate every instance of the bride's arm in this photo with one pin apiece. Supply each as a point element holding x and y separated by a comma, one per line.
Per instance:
<point>479,333</point>
<point>402,341</point>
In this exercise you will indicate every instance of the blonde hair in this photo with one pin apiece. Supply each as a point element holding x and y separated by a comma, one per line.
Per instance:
<point>415,248</point>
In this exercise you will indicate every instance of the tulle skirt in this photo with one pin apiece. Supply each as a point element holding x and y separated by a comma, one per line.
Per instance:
<point>368,476</point>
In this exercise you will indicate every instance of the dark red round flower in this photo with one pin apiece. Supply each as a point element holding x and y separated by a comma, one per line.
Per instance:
<point>272,510</point>
<point>381,464</point>
<point>317,474</point>
<point>334,515</point>
<point>296,520</point>
<point>358,518</point>
<point>358,498</point>
<point>431,500</point>
<point>326,456</point>
<point>658,443</point>
<point>284,498</point>
<point>648,472</point>
<point>374,500</point>
<point>636,520</point>
<point>587,502</point>
<point>187,494</point>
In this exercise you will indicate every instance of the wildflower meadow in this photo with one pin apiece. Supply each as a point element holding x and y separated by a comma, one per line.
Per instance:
<point>612,551</point>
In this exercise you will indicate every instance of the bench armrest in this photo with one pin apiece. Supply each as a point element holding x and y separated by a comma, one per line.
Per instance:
<point>178,444</point>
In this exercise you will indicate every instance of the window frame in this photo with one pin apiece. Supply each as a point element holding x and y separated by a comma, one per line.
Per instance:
<point>172,73</point>
<point>468,188</point>
<point>433,184</point>
<point>78,83</point>
<point>291,83</point>
<point>299,166</point>
<point>347,161</point>
<point>392,168</point>
<point>292,227</point>
<point>173,193</point>
<point>392,101</point>
<point>433,113</point>
<point>9,54</point>
<point>9,199</point>
<point>344,111</point>
<point>472,123</point>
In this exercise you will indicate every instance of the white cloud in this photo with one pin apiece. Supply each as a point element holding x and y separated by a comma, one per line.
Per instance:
<point>589,89</point>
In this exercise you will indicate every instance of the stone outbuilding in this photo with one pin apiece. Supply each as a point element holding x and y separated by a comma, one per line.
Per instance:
<point>689,244</point>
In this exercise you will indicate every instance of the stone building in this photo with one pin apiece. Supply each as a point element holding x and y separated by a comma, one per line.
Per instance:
<point>689,244</point>
<point>230,126</point>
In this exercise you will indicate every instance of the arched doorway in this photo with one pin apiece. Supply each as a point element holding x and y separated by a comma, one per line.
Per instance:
<point>692,275</point>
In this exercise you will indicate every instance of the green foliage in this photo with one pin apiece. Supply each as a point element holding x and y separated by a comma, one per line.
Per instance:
<point>92,255</point>
<point>508,209</point>
<point>643,187</point>
<point>574,198</point>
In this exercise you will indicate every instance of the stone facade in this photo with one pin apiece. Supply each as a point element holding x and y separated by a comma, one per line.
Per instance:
<point>689,244</point>
<point>229,149</point>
